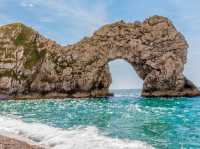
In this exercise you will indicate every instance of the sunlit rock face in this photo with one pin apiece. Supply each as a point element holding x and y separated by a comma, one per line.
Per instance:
<point>32,66</point>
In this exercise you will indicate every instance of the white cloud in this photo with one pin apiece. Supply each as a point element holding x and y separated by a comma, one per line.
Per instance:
<point>82,15</point>
<point>27,4</point>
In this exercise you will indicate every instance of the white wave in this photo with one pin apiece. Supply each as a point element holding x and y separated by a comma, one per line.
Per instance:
<point>56,138</point>
<point>126,93</point>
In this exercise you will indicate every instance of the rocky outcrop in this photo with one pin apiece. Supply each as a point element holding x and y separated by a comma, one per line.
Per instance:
<point>32,66</point>
<point>11,141</point>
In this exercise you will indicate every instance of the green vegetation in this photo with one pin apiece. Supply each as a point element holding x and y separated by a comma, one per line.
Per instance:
<point>8,29</point>
<point>20,39</point>
<point>25,38</point>
<point>25,34</point>
<point>33,57</point>
<point>8,73</point>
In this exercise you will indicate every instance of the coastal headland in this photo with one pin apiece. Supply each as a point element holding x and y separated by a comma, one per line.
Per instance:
<point>33,66</point>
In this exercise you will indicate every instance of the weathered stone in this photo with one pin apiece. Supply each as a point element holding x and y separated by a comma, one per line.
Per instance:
<point>32,65</point>
<point>10,141</point>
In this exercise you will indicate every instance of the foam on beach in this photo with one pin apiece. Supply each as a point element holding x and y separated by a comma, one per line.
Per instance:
<point>56,138</point>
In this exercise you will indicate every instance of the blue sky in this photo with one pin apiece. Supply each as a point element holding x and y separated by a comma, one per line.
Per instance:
<point>67,21</point>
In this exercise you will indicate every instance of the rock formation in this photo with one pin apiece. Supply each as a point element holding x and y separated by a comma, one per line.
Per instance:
<point>32,66</point>
<point>10,141</point>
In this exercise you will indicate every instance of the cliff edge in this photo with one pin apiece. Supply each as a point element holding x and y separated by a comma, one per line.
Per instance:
<point>32,66</point>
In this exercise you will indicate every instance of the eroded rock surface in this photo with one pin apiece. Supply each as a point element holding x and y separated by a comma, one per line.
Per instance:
<point>10,141</point>
<point>32,66</point>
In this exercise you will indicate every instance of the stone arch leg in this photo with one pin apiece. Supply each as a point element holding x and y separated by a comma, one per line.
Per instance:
<point>156,85</point>
<point>102,83</point>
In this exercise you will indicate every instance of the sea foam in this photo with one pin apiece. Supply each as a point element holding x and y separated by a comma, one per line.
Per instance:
<point>76,138</point>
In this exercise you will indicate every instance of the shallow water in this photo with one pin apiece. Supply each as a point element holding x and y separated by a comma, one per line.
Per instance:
<point>121,122</point>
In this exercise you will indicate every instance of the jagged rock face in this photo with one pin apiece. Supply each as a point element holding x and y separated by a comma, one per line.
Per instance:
<point>34,66</point>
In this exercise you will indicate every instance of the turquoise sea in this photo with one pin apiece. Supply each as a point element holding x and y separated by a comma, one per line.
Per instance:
<point>125,121</point>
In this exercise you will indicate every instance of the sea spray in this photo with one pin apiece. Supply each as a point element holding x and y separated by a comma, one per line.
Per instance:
<point>77,138</point>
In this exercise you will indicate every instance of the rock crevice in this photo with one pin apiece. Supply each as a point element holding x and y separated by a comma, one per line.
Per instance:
<point>32,66</point>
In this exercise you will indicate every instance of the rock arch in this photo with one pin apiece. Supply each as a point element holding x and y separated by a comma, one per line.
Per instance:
<point>35,66</point>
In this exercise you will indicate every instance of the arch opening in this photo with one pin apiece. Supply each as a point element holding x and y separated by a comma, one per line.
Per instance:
<point>123,75</point>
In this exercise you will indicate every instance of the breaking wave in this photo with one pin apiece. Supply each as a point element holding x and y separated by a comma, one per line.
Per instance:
<point>56,138</point>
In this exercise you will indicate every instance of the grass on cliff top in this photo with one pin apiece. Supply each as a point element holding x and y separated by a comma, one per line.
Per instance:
<point>32,55</point>
<point>25,38</point>
<point>24,35</point>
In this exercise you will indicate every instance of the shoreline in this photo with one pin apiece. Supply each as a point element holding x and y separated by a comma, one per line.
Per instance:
<point>145,95</point>
<point>33,97</point>
<point>13,141</point>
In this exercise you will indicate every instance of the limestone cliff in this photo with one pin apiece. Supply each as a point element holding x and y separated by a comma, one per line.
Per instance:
<point>32,66</point>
